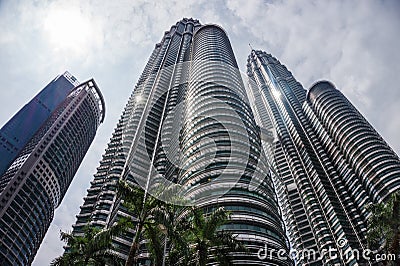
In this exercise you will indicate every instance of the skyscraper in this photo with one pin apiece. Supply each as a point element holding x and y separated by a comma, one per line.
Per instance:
<point>330,162</point>
<point>37,180</point>
<point>374,163</point>
<point>188,124</point>
<point>16,133</point>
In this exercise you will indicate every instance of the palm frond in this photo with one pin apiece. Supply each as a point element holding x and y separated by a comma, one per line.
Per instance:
<point>107,257</point>
<point>155,244</point>
<point>131,195</point>
<point>66,237</point>
<point>66,259</point>
<point>217,218</point>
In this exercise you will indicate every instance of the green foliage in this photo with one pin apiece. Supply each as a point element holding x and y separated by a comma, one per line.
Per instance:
<point>142,206</point>
<point>91,248</point>
<point>175,235</point>
<point>173,220</point>
<point>379,225</point>
<point>384,226</point>
<point>155,238</point>
<point>208,241</point>
<point>190,236</point>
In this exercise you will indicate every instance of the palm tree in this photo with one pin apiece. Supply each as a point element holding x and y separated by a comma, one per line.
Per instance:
<point>92,248</point>
<point>174,227</point>
<point>141,205</point>
<point>207,240</point>
<point>155,236</point>
<point>190,235</point>
<point>384,225</point>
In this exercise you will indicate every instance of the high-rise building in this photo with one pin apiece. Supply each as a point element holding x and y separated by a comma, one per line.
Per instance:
<point>330,162</point>
<point>37,180</point>
<point>16,133</point>
<point>374,163</point>
<point>188,123</point>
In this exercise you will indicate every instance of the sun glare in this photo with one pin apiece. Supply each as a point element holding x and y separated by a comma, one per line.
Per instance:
<point>67,29</point>
<point>276,93</point>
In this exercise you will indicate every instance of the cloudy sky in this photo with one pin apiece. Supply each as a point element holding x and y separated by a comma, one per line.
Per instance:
<point>352,43</point>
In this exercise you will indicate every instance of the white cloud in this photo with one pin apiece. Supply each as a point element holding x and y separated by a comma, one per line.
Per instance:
<point>354,44</point>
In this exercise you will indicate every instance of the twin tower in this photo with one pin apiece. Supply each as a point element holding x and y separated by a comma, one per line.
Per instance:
<point>295,168</point>
<point>274,154</point>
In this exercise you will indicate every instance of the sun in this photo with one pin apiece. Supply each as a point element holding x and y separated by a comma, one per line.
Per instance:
<point>67,29</point>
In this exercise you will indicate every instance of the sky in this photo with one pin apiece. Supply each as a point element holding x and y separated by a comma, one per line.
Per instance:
<point>354,44</point>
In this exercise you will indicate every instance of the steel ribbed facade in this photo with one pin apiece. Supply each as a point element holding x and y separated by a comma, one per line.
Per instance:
<point>374,163</point>
<point>314,190</point>
<point>40,176</point>
<point>188,122</point>
<point>136,150</point>
<point>219,120</point>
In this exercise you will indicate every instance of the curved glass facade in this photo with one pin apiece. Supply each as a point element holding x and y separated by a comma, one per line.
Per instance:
<point>40,176</point>
<point>376,166</point>
<point>188,123</point>
<point>221,149</point>
<point>136,152</point>
<point>315,192</point>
